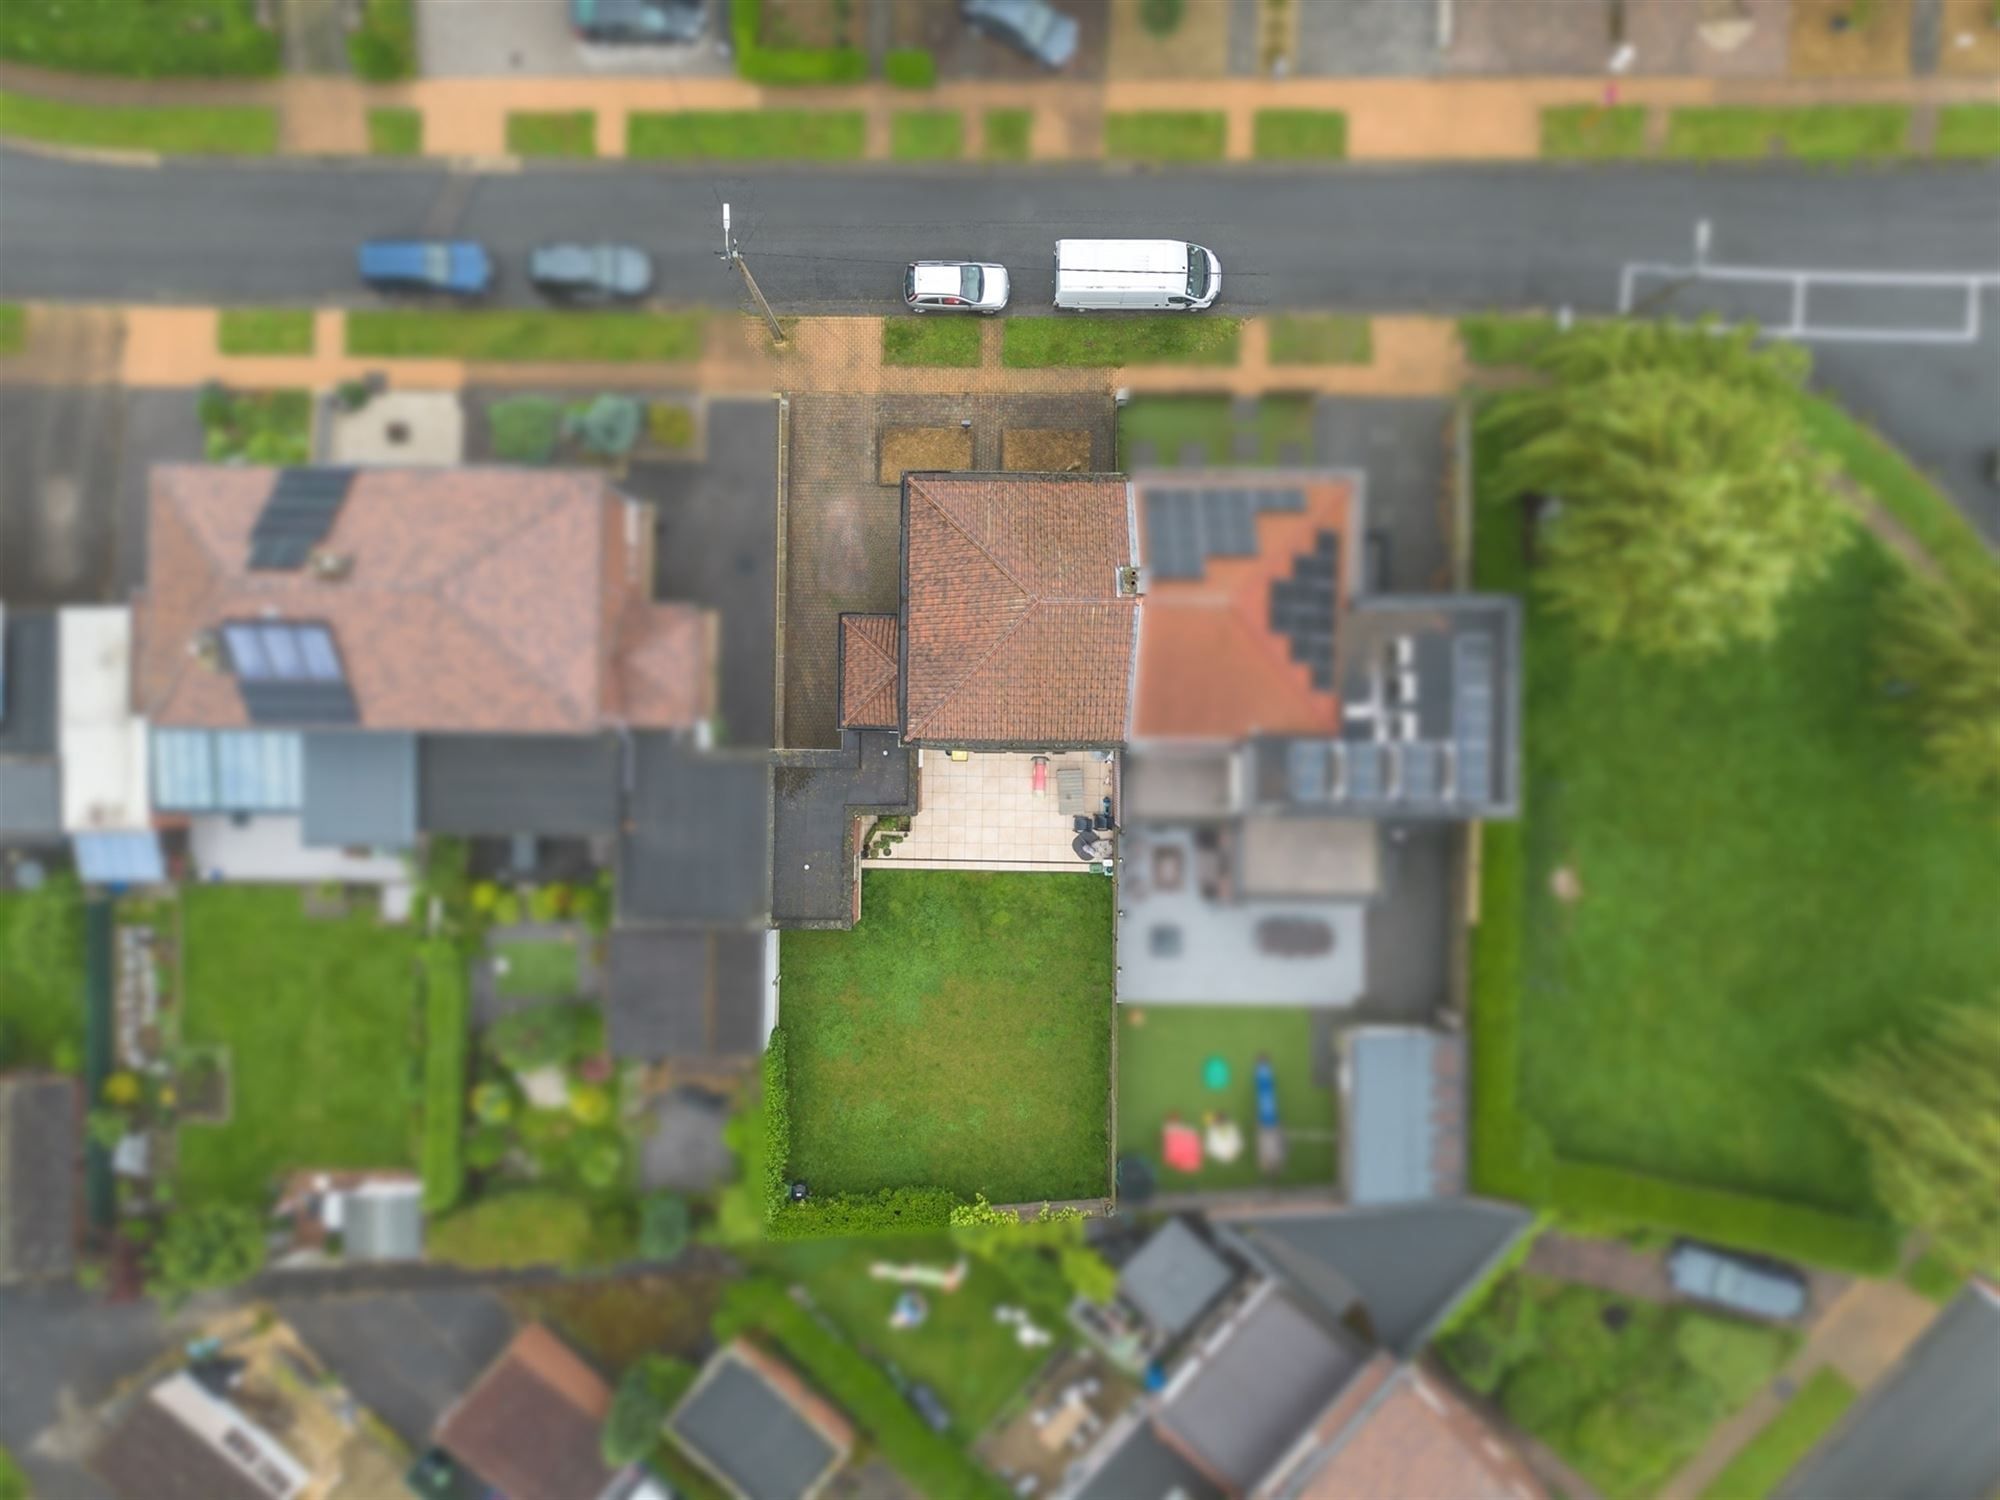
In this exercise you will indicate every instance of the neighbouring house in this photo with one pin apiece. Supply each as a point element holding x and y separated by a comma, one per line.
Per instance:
<point>361,1216</point>
<point>41,1169</point>
<point>1931,1426</point>
<point>752,1424</point>
<point>529,1430</point>
<point>255,1417</point>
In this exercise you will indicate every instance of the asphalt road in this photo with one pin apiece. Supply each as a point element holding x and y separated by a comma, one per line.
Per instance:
<point>1438,240</point>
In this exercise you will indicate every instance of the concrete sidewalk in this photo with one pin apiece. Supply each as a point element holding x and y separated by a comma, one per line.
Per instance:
<point>1388,119</point>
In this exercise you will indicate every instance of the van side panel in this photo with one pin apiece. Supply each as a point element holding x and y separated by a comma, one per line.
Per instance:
<point>1122,275</point>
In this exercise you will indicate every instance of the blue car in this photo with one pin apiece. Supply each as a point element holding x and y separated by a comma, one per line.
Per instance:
<point>458,268</point>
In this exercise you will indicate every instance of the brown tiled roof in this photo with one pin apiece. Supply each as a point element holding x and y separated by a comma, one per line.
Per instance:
<point>1211,666</point>
<point>477,600</point>
<point>529,1427</point>
<point>1014,631</point>
<point>666,666</point>
<point>152,1455</point>
<point>868,670</point>
<point>1419,1439</point>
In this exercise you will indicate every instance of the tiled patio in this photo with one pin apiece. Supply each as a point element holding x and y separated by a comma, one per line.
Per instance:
<point>983,813</point>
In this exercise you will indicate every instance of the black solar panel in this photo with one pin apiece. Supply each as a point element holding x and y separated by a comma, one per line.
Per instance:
<point>1187,525</point>
<point>298,702</point>
<point>297,516</point>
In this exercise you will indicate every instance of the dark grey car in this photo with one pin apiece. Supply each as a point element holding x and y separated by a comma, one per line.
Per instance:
<point>591,273</point>
<point>1033,26</point>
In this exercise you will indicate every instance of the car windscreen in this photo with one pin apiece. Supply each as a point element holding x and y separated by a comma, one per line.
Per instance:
<point>971,283</point>
<point>910,283</point>
<point>1197,271</point>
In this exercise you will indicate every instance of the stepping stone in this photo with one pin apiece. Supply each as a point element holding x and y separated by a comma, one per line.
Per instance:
<point>1143,454</point>
<point>1291,455</point>
<point>1193,455</point>
<point>1244,409</point>
<point>1244,447</point>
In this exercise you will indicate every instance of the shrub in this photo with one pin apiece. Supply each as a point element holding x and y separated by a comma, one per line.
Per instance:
<point>888,1211</point>
<point>524,432</point>
<point>669,425</point>
<point>526,1227</point>
<point>600,1162</point>
<point>383,49</point>
<point>201,1248</point>
<point>777,1125</point>
<point>446,1035</point>
<point>788,66</point>
<point>544,1035</point>
<point>910,68</point>
<point>548,903</point>
<point>663,1226</point>
<point>486,1147</point>
<point>1161,17</point>
<point>122,1089</point>
<point>589,1103</point>
<point>493,1103</point>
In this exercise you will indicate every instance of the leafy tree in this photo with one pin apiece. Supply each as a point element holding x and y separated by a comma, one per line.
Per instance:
<point>1942,644</point>
<point>645,1395</point>
<point>1691,502</point>
<point>1927,1108</point>
<point>215,1246</point>
<point>663,1226</point>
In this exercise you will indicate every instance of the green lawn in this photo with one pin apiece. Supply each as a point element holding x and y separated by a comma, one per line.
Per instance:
<point>1168,339</point>
<point>159,38</point>
<point>526,335</point>
<point>1967,130</point>
<point>547,971</point>
<point>41,977</point>
<point>1172,423</point>
<point>1323,339</point>
<point>973,1363</point>
<point>396,132</point>
<point>1591,131</point>
<point>1162,1050</point>
<point>1626,1401</point>
<point>926,135</point>
<point>265,330</point>
<point>1007,134</point>
<point>1931,1275</point>
<point>319,1019</point>
<point>1818,132</point>
<point>931,341</point>
<point>1165,135</point>
<point>959,1037</point>
<point>1762,1463</point>
<point>552,133</point>
<point>1766,882</point>
<point>796,134</point>
<point>189,130</point>
<point>13,328</point>
<point>1300,135</point>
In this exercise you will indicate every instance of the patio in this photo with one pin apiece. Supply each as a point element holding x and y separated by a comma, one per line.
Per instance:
<point>984,813</point>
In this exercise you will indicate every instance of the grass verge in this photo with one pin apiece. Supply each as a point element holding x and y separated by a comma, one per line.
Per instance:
<point>1007,134</point>
<point>927,135</point>
<point>396,132</point>
<point>552,133</point>
<point>1761,1465</point>
<point>1165,135</point>
<point>175,130</point>
<point>1593,132</point>
<point>1967,130</point>
<point>525,335</point>
<point>1327,339</point>
<point>264,330</point>
<point>13,328</point>
<point>1090,342</point>
<point>721,134</point>
<point>931,341</point>
<point>159,39</point>
<point>959,1037</point>
<point>1299,135</point>
<point>1815,132</point>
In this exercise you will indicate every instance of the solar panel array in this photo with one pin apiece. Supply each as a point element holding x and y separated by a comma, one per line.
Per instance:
<point>289,672</point>
<point>1187,525</point>
<point>297,516</point>
<point>1303,608</point>
<point>1472,715</point>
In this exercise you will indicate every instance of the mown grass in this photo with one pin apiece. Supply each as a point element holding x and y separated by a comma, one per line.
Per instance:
<point>1584,132</point>
<point>1165,135</point>
<point>42,977</point>
<point>174,130</point>
<point>13,328</point>
<point>1321,339</point>
<point>1299,135</point>
<point>1172,424</point>
<point>1816,132</point>
<point>264,330</point>
<point>396,132</point>
<point>552,133</point>
<point>1171,339</point>
<point>1007,134</point>
<point>156,39</point>
<point>952,341</point>
<point>926,135</point>
<point>780,134</point>
<point>497,335</point>
<point>1967,130</point>
<point>1761,1465</point>
<point>1931,1275</point>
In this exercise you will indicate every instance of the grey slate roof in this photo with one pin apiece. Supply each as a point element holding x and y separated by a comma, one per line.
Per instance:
<point>1144,1468</point>
<point>40,1159</point>
<point>696,848</point>
<point>1403,1140</point>
<point>745,1430</point>
<point>503,784</point>
<point>1174,1278</point>
<point>1931,1429</point>
<point>360,790</point>
<point>1253,1396</point>
<point>30,800</point>
<point>685,993</point>
<point>382,1226</point>
<point>28,709</point>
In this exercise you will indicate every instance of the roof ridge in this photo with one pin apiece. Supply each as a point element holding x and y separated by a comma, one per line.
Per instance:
<point>978,546</point>
<point>183,660</point>
<point>973,668</point>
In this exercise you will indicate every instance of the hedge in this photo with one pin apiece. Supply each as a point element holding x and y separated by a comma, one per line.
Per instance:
<point>933,1464</point>
<point>446,1036</point>
<point>910,68</point>
<point>788,65</point>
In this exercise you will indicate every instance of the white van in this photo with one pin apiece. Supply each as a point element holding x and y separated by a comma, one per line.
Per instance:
<point>1121,274</point>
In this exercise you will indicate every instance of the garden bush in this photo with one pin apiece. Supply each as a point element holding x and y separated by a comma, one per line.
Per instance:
<point>509,1230</point>
<point>663,1226</point>
<point>910,68</point>
<point>524,429</point>
<point>541,1036</point>
<point>1161,17</point>
<point>200,1249</point>
<point>446,1037</point>
<point>646,1393</point>
<point>383,49</point>
<point>888,1211</point>
<point>788,66</point>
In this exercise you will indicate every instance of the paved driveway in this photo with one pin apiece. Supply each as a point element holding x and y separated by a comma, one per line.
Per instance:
<point>493,38</point>
<point>1359,38</point>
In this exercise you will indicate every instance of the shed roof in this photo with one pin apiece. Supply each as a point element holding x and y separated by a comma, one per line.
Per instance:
<point>40,1155</point>
<point>360,789</point>
<point>27,683</point>
<point>1174,1278</point>
<point>869,668</point>
<point>753,1422</point>
<point>1014,628</point>
<point>382,1221</point>
<point>151,1454</point>
<point>1405,1131</point>
<point>30,800</point>
<point>503,784</point>
<point>529,1425</point>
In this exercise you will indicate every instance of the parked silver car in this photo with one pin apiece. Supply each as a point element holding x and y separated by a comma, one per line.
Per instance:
<point>1031,26</point>
<point>591,273</point>
<point>1741,1283</point>
<point>955,286</point>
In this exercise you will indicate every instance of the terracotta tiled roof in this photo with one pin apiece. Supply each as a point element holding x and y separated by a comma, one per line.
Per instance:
<point>477,599</point>
<point>1211,666</point>
<point>666,666</point>
<point>529,1426</point>
<point>868,671</point>
<point>1419,1439</point>
<point>1014,629</point>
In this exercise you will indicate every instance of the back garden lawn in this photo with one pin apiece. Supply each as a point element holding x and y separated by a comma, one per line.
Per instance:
<point>319,1019</point>
<point>959,1037</point>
